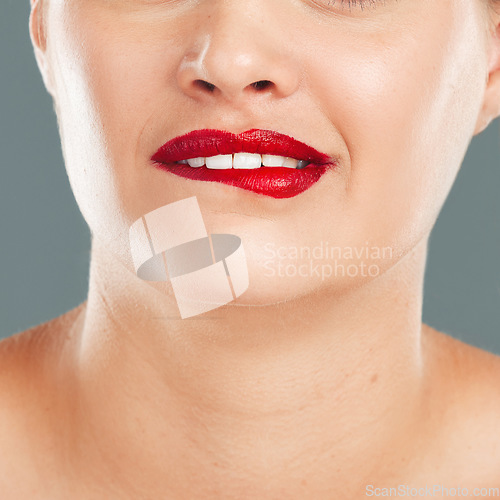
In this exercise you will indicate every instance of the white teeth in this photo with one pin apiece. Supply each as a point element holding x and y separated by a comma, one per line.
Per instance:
<point>247,160</point>
<point>272,161</point>
<point>196,162</point>
<point>291,163</point>
<point>220,162</point>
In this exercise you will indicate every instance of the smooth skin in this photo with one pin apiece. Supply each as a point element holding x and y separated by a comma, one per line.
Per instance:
<point>303,387</point>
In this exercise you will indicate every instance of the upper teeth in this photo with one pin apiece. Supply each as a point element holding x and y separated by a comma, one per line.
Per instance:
<point>245,161</point>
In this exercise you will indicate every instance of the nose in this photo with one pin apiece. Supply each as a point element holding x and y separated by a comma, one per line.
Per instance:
<point>242,51</point>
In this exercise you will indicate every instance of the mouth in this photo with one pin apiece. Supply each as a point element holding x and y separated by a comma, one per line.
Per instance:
<point>261,161</point>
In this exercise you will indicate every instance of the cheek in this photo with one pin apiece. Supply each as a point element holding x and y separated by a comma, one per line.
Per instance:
<point>405,101</point>
<point>110,80</point>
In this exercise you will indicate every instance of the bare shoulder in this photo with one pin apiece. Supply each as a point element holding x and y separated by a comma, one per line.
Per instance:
<point>27,363</point>
<point>20,342</point>
<point>470,370</point>
<point>468,396</point>
<point>27,358</point>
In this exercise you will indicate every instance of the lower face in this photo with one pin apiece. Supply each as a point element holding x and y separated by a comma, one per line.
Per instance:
<point>391,90</point>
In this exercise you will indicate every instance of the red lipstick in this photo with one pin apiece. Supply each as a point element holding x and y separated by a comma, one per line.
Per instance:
<point>277,182</point>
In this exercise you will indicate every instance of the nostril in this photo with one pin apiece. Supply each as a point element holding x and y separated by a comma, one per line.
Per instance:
<point>261,84</point>
<point>204,84</point>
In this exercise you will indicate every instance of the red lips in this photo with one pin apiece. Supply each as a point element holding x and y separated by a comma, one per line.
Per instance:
<point>277,182</point>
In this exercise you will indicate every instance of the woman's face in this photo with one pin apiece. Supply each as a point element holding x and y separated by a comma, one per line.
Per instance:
<point>393,89</point>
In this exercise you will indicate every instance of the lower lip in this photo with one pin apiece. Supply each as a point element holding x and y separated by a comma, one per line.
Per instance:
<point>277,182</point>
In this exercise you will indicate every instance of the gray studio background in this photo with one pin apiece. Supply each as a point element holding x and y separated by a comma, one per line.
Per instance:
<point>45,243</point>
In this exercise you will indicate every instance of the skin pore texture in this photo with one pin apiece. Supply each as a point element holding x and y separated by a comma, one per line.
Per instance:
<point>303,387</point>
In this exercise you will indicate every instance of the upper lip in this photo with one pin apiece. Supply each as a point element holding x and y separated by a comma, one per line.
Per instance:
<point>208,142</point>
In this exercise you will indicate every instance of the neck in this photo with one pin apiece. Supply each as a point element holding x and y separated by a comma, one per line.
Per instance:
<point>253,398</point>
